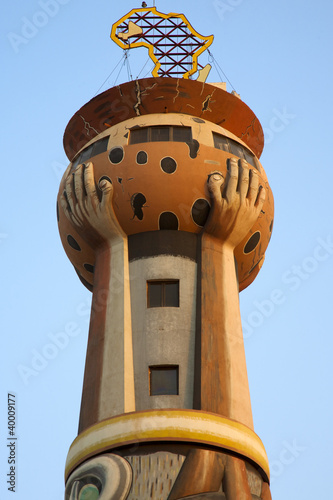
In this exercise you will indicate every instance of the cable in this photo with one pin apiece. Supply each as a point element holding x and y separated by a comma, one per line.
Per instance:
<point>149,59</point>
<point>213,60</point>
<point>114,69</point>
<point>129,74</point>
<point>125,56</point>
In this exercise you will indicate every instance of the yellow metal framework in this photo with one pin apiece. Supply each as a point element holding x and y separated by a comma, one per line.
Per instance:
<point>173,44</point>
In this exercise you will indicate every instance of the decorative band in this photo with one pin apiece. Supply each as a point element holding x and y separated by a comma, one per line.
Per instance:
<point>189,426</point>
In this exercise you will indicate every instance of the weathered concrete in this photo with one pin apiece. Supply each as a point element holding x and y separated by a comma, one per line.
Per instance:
<point>163,335</point>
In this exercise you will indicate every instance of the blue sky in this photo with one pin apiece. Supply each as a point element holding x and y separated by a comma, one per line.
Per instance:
<point>277,55</point>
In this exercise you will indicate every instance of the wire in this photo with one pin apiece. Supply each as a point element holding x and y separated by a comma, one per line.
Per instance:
<point>129,73</point>
<point>124,57</point>
<point>213,60</point>
<point>143,67</point>
<point>114,69</point>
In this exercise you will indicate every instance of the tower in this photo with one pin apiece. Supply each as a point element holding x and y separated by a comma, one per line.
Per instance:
<point>165,212</point>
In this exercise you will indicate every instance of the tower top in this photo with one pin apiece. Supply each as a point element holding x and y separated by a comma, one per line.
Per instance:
<point>173,44</point>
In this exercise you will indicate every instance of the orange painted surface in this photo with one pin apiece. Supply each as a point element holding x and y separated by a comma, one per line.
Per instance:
<point>164,192</point>
<point>163,95</point>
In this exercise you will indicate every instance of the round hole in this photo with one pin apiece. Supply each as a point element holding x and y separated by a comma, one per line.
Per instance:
<point>89,268</point>
<point>73,243</point>
<point>168,220</point>
<point>252,242</point>
<point>168,165</point>
<point>116,155</point>
<point>200,211</point>
<point>141,157</point>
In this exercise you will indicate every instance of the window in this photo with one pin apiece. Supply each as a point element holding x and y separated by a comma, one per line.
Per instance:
<point>158,134</point>
<point>161,133</point>
<point>138,135</point>
<point>93,150</point>
<point>163,380</point>
<point>233,147</point>
<point>163,293</point>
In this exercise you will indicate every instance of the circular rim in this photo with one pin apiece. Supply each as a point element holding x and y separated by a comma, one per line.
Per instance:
<point>191,426</point>
<point>163,95</point>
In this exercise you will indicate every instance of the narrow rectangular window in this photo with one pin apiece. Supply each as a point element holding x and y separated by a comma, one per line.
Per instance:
<point>100,146</point>
<point>163,293</point>
<point>138,135</point>
<point>86,153</point>
<point>236,149</point>
<point>164,380</point>
<point>249,157</point>
<point>221,142</point>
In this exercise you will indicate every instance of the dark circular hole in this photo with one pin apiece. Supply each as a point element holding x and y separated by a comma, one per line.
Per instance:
<point>198,120</point>
<point>89,268</point>
<point>73,243</point>
<point>168,165</point>
<point>141,157</point>
<point>168,220</point>
<point>252,242</point>
<point>116,155</point>
<point>200,211</point>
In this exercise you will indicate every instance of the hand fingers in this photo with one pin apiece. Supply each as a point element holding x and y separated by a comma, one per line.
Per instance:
<point>215,183</point>
<point>231,187</point>
<point>68,212</point>
<point>253,186</point>
<point>244,176</point>
<point>106,187</point>
<point>89,184</point>
<point>260,198</point>
<point>78,184</point>
<point>69,192</point>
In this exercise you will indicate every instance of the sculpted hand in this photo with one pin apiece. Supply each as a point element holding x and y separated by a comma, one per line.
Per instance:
<point>236,202</point>
<point>94,220</point>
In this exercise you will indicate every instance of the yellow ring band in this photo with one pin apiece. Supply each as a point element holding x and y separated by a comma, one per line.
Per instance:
<point>167,425</point>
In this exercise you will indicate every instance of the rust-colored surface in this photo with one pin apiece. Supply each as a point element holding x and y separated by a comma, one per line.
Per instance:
<point>161,95</point>
<point>212,393</point>
<point>266,492</point>
<point>202,472</point>
<point>235,482</point>
<point>93,368</point>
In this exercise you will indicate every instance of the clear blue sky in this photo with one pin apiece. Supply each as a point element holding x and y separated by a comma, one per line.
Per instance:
<point>277,55</point>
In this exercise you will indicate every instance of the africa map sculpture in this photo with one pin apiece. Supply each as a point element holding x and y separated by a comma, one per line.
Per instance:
<point>165,212</point>
<point>172,43</point>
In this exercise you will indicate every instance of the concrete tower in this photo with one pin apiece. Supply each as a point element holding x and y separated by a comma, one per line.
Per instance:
<point>165,212</point>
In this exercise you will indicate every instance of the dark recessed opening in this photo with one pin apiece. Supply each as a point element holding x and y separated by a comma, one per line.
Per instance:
<point>252,242</point>
<point>163,293</point>
<point>164,380</point>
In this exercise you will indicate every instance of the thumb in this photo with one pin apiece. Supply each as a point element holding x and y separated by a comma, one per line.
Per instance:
<point>105,185</point>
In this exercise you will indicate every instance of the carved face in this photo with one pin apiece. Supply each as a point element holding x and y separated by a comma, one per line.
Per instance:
<point>106,477</point>
<point>159,166</point>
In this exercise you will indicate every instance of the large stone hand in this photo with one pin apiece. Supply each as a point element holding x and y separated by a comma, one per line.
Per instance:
<point>236,203</point>
<point>93,218</point>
